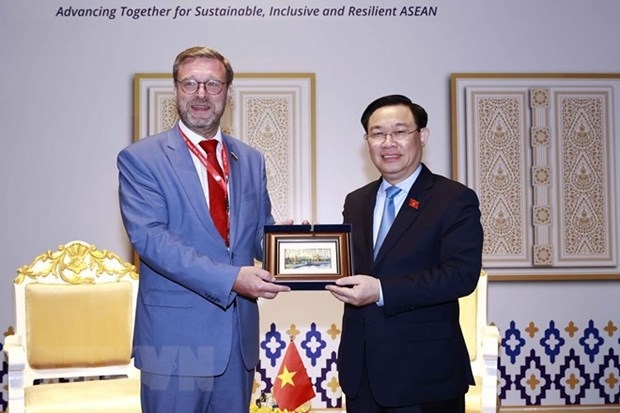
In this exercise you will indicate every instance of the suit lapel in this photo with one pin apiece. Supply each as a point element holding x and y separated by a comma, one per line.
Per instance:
<point>366,231</point>
<point>234,187</point>
<point>418,197</point>
<point>183,167</point>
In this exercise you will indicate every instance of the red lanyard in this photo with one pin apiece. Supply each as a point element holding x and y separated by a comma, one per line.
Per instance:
<point>210,169</point>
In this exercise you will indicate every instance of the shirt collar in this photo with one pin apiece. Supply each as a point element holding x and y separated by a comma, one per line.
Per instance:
<point>405,185</point>
<point>194,137</point>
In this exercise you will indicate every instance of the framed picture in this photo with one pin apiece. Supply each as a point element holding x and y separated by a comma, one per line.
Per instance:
<point>307,257</point>
<point>273,112</point>
<point>540,151</point>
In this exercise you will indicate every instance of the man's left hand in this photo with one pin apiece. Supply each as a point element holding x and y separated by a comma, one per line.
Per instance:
<point>358,290</point>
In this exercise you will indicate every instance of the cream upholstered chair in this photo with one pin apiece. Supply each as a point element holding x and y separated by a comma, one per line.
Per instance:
<point>483,345</point>
<point>74,320</point>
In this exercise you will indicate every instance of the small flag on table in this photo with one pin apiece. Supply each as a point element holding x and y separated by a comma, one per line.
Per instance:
<point>292,386</point>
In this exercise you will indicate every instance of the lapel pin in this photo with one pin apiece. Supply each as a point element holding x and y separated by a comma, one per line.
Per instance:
<point>413,203</point>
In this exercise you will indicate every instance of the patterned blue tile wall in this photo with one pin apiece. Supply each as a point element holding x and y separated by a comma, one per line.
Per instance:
<point>560,363</point>
<point>4,375</point>
<point>556,362</point>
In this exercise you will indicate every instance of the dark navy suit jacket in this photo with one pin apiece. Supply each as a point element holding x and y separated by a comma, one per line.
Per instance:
<point>412,347</point>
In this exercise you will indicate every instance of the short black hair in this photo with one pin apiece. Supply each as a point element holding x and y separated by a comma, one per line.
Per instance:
<point>419,114</point>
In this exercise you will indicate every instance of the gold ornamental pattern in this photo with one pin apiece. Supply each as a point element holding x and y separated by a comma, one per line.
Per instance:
<point>267,127</point>
<point>76,263</point>
<point>169,114</point>
<point>584,184</point>
<point>501,174</point>
<point>272,112</point>
<point>534,146</point>
<point>540,151</point>
<point>542,178</point>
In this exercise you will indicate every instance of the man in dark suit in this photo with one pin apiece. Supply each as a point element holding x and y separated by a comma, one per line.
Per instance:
<point>402,350</point>
<point>196,327</point>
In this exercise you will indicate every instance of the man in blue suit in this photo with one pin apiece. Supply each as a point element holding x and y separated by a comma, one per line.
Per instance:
<point>402,350</point>
<point>196,326</point>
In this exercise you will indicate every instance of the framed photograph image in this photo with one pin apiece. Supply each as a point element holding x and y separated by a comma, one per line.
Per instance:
<point>305,256</point>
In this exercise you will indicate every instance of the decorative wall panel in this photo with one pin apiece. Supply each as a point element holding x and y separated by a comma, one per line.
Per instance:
<point>583,177</point>
<point>499,168</point>
<point>273,112</point>
<point>539,150</point>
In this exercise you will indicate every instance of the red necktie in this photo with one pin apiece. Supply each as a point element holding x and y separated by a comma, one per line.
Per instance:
<point>217,195</point>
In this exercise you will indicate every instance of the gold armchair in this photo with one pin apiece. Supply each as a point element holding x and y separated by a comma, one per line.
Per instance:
<point>74,324</point>
<point>483,346</point>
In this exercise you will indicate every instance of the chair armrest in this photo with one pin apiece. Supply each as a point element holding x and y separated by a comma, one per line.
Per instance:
<point>15,352</point>
<point>490,355</point>
<point>16,357</point>
<point>490,343</point>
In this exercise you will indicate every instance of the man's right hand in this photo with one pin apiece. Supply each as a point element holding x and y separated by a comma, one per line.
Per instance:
<point>255,282</point>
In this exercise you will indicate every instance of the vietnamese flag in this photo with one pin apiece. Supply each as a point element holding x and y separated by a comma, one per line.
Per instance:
<point>292,386</point>
<point>413,203</point>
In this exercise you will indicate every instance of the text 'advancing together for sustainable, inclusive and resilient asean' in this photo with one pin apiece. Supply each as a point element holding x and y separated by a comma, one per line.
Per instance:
<point>180,12</point>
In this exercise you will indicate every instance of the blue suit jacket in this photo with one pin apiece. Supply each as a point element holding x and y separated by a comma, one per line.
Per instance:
<point>185,315</point>
<point>412,347</point>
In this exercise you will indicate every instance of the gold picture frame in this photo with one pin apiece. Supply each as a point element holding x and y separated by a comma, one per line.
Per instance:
<point>307,257</point>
